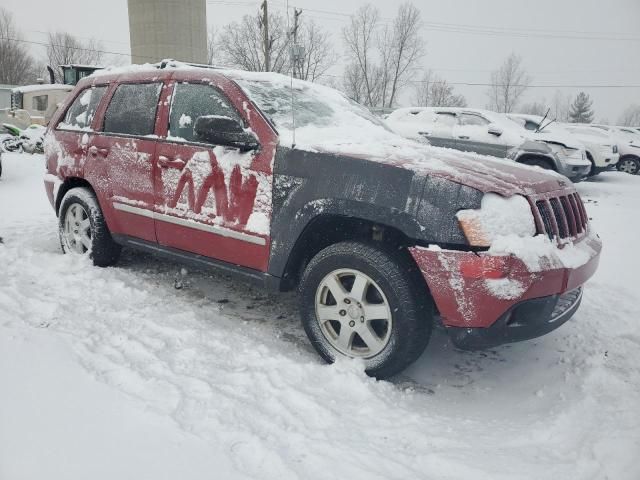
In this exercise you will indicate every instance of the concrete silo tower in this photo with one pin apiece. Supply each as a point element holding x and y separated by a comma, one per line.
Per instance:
<point>161,29</point>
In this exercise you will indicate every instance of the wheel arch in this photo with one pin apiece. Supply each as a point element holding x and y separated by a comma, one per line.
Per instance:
<point>328,228</point>
<point>68,184</point>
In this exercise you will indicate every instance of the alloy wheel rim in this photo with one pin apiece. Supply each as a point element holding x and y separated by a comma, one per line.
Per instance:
<point>629,166</point>
<point>353,313</point>
<point>77,229</point>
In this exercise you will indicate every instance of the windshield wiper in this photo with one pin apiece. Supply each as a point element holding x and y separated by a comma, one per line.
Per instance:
<point>541,128</point>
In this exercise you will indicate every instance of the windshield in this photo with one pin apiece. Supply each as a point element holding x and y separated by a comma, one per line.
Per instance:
<point>322,114</point>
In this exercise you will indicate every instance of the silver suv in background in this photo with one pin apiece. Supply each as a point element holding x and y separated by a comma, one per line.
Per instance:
<point>489,133</point>
<point>601,150</point>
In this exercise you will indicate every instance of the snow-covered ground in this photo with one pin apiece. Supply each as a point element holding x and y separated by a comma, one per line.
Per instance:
<point>149,371</point>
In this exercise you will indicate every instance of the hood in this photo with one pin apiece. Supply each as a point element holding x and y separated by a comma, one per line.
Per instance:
<point>567,139</point>
<point>487,174</point>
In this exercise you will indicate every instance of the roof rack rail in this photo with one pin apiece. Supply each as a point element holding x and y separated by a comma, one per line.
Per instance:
<point>169,62</point>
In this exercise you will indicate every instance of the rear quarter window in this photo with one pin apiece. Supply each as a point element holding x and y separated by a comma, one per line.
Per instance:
<point>132,110</point>
<point>80,114</point>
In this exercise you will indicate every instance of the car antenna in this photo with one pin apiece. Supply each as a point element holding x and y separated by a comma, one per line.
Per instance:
<point>291,60</point>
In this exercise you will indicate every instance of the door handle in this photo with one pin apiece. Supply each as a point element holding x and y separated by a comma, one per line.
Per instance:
<point>165,162</point>
<point>95,151</point>
<point>463,137</point>
<point>424,134</point>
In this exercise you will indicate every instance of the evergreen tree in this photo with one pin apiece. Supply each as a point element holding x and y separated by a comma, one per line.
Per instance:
<point>581,111</point>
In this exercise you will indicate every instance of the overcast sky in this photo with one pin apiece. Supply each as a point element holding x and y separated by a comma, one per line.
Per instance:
<point>604,51</point>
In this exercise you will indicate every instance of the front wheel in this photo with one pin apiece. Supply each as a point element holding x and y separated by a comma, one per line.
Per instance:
<point>360,301</point>
<point>629,165</point>
<point>83,230</point>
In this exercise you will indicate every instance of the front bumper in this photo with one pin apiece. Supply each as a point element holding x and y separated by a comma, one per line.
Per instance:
<point>574,171</point>
<point>525,320</point>
<point>478,291</point>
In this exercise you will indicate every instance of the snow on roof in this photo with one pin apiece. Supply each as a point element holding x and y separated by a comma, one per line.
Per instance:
<point>145,67</point>
<point>42,87</point>
<point>79,65</point>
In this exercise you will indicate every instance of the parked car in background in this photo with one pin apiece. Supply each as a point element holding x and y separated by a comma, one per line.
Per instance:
<point>601,152</point>
<point>375,231</point>
<point>628,144</point>
<point>488,133</point>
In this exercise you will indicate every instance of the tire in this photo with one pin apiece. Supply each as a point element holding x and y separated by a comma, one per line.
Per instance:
<point>593,171</point>
<point>538,162</point>
<point>83,230</point>
<point>629,165</point>
<point>394,288</point>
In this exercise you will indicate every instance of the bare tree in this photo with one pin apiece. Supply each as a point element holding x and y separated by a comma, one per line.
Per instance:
<point>534,108</point>
<point>384,55</point>
<point>442,95</point>
<point>16,64</point>
<point>560,107</point>
<point>406,49</point>
<point>434,91</point>
<point>508,83</point>
<point>353,83</point>
<point>631,116</point>
<point>422,90</point>
<point>241,44</point>
<point>319,54</point>
<point>360,38</point>
<point>213,46</point>
<point>63,49</point>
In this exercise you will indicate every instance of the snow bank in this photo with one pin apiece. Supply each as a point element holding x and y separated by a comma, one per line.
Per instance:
<point>115,373</point>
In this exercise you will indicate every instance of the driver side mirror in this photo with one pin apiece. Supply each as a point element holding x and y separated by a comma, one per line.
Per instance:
<point>224,131</point>
<point>494,129</point>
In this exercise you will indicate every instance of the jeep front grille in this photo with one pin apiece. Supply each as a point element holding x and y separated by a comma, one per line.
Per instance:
<point>561,216</point>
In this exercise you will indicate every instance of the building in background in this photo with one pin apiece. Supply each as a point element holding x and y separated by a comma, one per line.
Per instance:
<point>160,29</point>
<point>5,96</point>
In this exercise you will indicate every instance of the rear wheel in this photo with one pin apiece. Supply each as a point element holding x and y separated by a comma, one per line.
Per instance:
<point>83,230</point>
<point>629,165</point>
<point>359,301</point>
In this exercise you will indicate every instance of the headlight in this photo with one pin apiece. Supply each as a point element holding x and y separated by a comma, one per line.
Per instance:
<point>562,150</point>
<point>497,216</point>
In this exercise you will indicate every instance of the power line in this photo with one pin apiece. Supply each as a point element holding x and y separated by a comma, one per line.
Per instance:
<point>472,29</point>
<point>46,44</point>
<point>480,84</point>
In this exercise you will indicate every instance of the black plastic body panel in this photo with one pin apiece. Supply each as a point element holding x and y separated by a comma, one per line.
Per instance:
<point>524,321</point>
<point>307,185</point>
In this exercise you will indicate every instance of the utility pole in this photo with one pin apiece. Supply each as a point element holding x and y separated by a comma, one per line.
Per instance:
<point>296,50</point>
<point>266,41</point>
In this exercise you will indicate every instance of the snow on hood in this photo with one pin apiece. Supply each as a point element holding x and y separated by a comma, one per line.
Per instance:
<point>552,132</point>
<point>327,121</point>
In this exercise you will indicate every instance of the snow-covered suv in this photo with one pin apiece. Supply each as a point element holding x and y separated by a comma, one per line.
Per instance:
<point>489,133</point>
<point>628,141</point>
<point>382,236</point>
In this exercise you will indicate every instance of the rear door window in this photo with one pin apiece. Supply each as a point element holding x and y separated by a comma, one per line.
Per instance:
<point>446,118</point>
<point>83,109</point>
<point>194,100</point>
<point>132,110</point>
<point>472,119</point>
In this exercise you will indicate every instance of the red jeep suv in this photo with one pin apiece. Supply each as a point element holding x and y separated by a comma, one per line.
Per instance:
<point>381,236</point>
